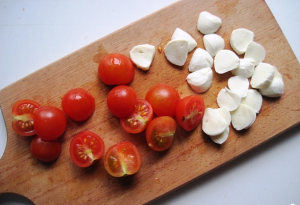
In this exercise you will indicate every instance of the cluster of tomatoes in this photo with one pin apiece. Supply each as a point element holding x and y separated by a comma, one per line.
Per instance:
<point>157,114</point>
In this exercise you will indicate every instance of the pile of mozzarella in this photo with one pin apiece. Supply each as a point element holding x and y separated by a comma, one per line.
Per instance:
<point>238,104</point>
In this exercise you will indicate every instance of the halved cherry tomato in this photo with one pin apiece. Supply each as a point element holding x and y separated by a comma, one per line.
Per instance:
<point>122,159</point>
<point>121,101</point>
<point>116,69</point>
<point>22,113</point>
<point>46,151</point>
<point>189,112</point>
<point>85,148</point>
<point>160,133</point>
<point>139,119</point>
<point>163,99</point>
<point>49,122</point>
<point>78,104</point>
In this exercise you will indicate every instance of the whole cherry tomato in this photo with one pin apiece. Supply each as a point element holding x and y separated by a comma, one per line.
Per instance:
<point>46,151</point>
<point>78,104</point>
<point>22,117</point>
<point>163,99</point>
<point>116,69</point>
<point>190,111</point>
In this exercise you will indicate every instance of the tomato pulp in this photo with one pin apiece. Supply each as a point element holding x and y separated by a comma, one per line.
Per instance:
<point>122,159</point>
<point>85,148</point>
<point>190,111</point>
<point>22,113</point>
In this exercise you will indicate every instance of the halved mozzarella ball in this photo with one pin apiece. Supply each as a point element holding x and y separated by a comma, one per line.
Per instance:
<point>245,68</point>
<point>239,85</point>
<point>243,117</point>
<point>221,138</point>
<point>256,52</point>
<point>226,60</point>
<point>208,23</point>
<point>213,43</point>
<point>225,114</point>
<point>263,75</point>
<point>201,80</point>
<point>253,100</point>
<point>228,99</point>
<point>176,51</point>
<point>142,55</point>
<point>240,39</point>
<point>200,59</point>
<point>213,123</point>
<point>181,34</point>
<point>276,88</point>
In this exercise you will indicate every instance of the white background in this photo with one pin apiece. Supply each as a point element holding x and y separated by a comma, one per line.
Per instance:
<point>34,33</point>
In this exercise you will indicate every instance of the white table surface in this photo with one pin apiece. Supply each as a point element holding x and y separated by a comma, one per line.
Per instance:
<point>34,33</point>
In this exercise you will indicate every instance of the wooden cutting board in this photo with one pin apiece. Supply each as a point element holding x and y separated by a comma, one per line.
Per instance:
<point>193,153</point>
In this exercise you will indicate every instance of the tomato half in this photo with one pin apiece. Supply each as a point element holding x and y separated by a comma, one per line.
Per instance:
<point>139,119</point>
<point>46,151</point>
<point>22,113</point>
<point>163,99</point>
<point>78,104</point>
<point>49,122</point>
<point>85,148</point>
<point>190,111</point>
<point>160,133</point>
<point>121,101</point>
<point>122,159</point>
<point>116,69</point>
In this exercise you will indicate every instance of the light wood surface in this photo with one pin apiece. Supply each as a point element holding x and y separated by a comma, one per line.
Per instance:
<point>193,153</point>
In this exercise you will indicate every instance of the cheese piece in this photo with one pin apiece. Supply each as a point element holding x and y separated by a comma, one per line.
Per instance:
<point>243,117</point>
<point>245,68</point>
<point>239,85</point>
<point>262,76</point>
<point>253,100</point>
<point>176,51</point>
<point>240,39</point>
<point>213,43</point>
<point>200,59</point>
<point>228,99</point>
<point>208,23</point>
<point>201,80</point>
<point>276,88</point>
<point>256,52</point>
<point>213,123</point>
<point>142,55</point>
<point>221,138</point>
<point>226,60</point>
<point>181,34</point>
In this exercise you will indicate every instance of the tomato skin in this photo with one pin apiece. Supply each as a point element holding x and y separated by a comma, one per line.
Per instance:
<point>122,159</point>
<point>139,119</point>
<point>160,133</point>
<point>22,113</point>
<point>121,101</point>
<point>164,99</point>
<point>190,111</point>
<point>46,151</point>
<point>78,104</point>
<point>85,148</point>
<point>49,122</point>
<point>116,69</point>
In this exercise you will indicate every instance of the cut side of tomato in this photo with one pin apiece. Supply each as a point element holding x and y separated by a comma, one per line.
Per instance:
<point>85,148</point>
<point>139,119</point>
<point>190,111</point>
<point>122,159</point>
<point>22,113</point>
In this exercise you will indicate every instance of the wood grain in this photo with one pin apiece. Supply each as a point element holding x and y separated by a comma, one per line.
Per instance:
<point>193,153</point>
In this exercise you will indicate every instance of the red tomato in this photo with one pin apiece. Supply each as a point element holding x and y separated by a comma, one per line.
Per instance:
<point>122,159</point>
<point>46,151</point>
<point>49,122</point>
<point>78,104</point>
<point>189,112</point>
<point>160,133</point>
<point>22,113</point>
<point>116,69</point>
<point>139,119</point>
<point>164,99</point>
<point>85,148</point>
<point>121,101</point>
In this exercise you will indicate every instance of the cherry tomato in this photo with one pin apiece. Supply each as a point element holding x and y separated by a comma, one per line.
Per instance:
<point>116,69</point>
<point>22,113</point>
<point>189,112</point>
<point>46,151</point>
<point>49,122</point>
<point>160,133</point>
<point>78,104</point>
<point>121,101</point>
<point>163,99</point>
<point>122,159</point>
<point>85,148</point>
<point>139,119</point>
